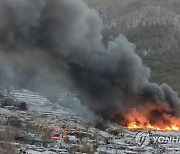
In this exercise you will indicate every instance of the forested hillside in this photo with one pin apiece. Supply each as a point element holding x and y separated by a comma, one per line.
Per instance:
<point>154,26</point>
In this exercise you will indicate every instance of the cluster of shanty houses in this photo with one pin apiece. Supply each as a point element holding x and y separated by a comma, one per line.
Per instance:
<point>66,132</point>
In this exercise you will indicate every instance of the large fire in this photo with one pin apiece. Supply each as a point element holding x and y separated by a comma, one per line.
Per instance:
<point>171,127</point>
<point>153,117</point>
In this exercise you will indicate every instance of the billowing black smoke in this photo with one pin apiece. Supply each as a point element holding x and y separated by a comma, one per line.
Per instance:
<point>58,41</point>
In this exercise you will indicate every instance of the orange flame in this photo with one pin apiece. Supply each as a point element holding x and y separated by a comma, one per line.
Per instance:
<point>172,127</point>
<point>140,118</point>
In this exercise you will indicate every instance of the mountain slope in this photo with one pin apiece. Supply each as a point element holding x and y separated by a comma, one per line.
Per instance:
<point>154,26</point>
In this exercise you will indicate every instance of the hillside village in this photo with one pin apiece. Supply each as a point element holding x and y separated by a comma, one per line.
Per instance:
<point>33,124</point>
<point>47,128</point>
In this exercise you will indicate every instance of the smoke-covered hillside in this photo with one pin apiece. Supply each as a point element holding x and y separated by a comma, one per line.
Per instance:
<point>154,26</point>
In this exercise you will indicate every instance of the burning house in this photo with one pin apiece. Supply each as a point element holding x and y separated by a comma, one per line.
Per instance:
<point>51,43</point>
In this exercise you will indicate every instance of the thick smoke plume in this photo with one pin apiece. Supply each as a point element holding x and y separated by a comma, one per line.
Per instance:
<point>58,41</point>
